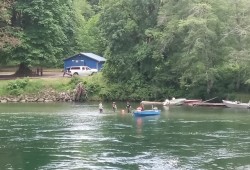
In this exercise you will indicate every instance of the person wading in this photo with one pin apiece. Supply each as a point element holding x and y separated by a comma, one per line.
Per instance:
<point>128,106</point>
<point>114,107</point>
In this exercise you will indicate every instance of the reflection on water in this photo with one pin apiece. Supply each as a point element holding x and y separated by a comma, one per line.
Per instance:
<point>77,136</point>
<point>139,125</point>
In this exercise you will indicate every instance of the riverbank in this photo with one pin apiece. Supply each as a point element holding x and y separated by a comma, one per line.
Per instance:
<point>63,89</point>
<point>47,89</point>
<point>52,89</point>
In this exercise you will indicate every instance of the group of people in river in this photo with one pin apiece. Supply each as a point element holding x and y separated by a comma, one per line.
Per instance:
<point>114,107</point>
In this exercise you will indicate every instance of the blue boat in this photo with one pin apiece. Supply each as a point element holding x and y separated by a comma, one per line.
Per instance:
<point>146,112</point>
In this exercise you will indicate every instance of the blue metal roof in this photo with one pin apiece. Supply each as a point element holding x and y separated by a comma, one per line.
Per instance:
<point>90,55</point>
<point>94,56</point>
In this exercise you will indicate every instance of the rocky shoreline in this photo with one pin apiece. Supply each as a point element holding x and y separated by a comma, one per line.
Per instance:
<point>49,95</point>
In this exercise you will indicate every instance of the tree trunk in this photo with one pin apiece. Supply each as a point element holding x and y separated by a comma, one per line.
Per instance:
<point>238,81</point>
<point>41,71</point>
<point>81,93</point>
<point>23,71</point>
<point>209,86</point>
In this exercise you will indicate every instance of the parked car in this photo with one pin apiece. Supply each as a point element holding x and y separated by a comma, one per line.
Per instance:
<point>81,71</point>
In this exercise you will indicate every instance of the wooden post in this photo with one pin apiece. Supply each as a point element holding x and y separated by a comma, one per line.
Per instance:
<point>37,71</point>
<point>41,71</point>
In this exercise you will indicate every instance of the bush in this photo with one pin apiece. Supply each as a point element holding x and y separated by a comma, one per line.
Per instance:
<point>74,81</point>
<point>16,87</point>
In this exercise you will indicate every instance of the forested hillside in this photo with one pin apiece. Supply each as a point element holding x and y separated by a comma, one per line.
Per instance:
<point>154,48</point>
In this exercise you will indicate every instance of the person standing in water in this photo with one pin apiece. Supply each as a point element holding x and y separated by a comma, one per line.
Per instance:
<point>128,106</point>
<point>100,107</point>
<point>114,107</point>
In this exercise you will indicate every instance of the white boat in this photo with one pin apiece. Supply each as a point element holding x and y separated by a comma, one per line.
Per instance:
<point>174,101</point>
<point>236,104</point>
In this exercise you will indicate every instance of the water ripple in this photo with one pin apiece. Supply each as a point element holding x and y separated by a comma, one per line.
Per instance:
<point>77,136</point>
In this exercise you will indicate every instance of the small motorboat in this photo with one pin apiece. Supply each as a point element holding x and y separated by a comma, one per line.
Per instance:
<point>147,112</point>
<point>236,104</point>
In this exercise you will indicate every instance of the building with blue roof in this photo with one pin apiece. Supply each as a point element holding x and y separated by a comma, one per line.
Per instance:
<point>85,59</point>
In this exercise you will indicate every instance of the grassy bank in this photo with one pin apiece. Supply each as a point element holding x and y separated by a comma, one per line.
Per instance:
<point>33,86</point>
<point>30,86</point>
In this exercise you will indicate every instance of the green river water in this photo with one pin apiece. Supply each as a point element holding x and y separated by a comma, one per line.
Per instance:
<point>67,136</point>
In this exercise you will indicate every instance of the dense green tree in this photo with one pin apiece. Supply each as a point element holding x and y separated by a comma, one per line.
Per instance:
<point>88,35</point>
<point>191,41</point>
<point>124,25</point>
<point>8,36</point>
<point>237,38</point>
<point>173,46</point>
<point>47,27</point>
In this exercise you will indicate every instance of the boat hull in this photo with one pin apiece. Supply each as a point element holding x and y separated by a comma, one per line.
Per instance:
<point>147,112</point>
<point>191,101</point>
<point>232,104</point>
<point>174,102</point>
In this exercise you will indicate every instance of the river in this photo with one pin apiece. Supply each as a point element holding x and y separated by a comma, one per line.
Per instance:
<point>76,136</point>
